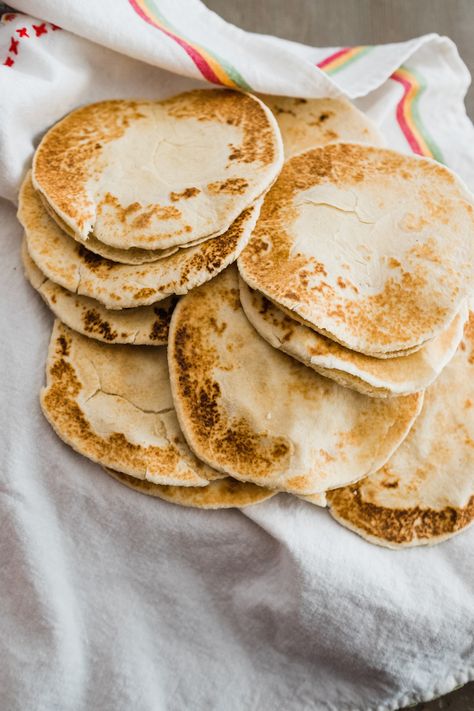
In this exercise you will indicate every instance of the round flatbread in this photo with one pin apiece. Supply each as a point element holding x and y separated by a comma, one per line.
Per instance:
<point>156,174</point>
<point>134,255</point>
<point>142,326</point>
<point>425,493</point>
<point>371,247</point>
<point>113,405</point>
<point>371,376</point>
<point>117,286</point>
<point>307,123</point>
<point>224,493</point>
<point>254,413</point>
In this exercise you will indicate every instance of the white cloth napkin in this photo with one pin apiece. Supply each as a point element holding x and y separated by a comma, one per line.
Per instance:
<point>113,601</point>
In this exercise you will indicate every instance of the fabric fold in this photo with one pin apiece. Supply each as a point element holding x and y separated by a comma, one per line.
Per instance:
<point>150,606</point>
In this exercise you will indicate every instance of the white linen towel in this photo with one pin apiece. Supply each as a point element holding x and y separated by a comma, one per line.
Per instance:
<point>113,601</point>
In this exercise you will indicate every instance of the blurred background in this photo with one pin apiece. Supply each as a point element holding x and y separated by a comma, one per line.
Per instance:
<point>329,23</point>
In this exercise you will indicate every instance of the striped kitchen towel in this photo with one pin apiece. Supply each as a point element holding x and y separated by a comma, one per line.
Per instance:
<point>413,90</point>
<point>116,604</point>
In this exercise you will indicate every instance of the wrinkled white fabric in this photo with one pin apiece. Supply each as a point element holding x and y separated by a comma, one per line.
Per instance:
<point>114,601</point>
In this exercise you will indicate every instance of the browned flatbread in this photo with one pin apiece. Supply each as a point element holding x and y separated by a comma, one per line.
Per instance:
<point>113,405</point>
<point>258,415</point>
<point>424,494</point>
<point>372,248</point>
<point>224,493</point>
<point>134,255</point>
<point>378,377</point>
<point>307,123</point>
<point>143,325</point>
<point>68,263</point>
<point>159,174</point>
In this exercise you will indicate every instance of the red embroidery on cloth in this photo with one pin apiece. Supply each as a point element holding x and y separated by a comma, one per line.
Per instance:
<point>23,32</point>
<point>14,45</point>
<point>40,29</point>
<point>8,17</point>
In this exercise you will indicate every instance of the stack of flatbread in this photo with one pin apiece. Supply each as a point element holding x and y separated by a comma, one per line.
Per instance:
<point>310,319</point>
<point>130,203</point>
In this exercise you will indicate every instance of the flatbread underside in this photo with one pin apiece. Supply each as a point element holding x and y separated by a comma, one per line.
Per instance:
<point>143,325</point>
<point>118,286</point>
<point>368,375</point>
<point>220,494</point>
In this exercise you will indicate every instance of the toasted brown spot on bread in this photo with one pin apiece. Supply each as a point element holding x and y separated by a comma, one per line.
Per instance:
<point>93,323</point>
<point>231,185</point>
<point>63,345</point>
<point>94,261</point>
<point>160,327</point>
<point>144,293</point>
<point>127,215</point>
<point>184,194</point>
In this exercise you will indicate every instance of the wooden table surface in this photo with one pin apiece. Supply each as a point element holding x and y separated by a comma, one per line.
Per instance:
<point>355,22</point>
